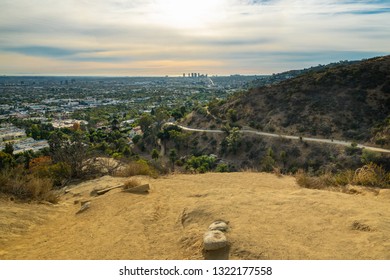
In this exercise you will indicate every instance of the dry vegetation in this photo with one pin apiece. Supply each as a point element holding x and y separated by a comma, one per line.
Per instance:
<point>27,187</point>
<point>131,183</point>
<point>370,175</point>
<point>140,167</point>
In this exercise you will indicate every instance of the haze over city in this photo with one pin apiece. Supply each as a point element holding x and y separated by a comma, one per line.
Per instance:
<point>172,37</point>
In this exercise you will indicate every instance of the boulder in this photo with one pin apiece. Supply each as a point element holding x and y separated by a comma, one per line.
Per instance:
<point>214,240</point>
<point>219,225</point>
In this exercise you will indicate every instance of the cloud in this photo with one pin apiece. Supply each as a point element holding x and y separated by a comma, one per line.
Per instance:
<point>245,35</point>
<point>42,51</point>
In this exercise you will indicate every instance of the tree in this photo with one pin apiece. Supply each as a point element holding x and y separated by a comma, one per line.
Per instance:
<point>145,122</point>
<point>268,162</point>
<point>155,154</point>
<point>172,158</point>
<point>233,139</point>
<point>161,115</point>
<point>232,115</point>
<point>6,161</point>
<point>73,151</point>
<point>283,158</point>
<point>76,126</point>
<point>369,156</point>
<point>115,124</point>
<point>9,148</point>
<point>35,132</point>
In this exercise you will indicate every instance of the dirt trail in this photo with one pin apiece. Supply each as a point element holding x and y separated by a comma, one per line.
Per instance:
<point>269,218</point>
<point>292,137</point>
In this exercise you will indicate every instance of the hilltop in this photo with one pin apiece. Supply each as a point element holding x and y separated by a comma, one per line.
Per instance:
<point>344,102</point>
<point>269,217</point>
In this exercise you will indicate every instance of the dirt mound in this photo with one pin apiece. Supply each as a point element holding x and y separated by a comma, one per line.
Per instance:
<point>269,218</point>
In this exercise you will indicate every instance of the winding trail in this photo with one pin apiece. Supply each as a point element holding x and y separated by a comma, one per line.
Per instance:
<point>308,139</point>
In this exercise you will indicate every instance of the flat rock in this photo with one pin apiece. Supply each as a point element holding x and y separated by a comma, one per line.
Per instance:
<point>84,206</point>
<point>138,189</point>
<point>219,225</point>
<point>214,240</point>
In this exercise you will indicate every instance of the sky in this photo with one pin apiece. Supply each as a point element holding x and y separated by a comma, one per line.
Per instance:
<point>172,37</point>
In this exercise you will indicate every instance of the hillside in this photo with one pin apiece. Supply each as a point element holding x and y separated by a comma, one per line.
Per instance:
<point>349,102</point>
<point>269,217</point>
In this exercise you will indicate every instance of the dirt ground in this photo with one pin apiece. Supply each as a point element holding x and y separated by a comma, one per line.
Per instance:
<point>269,218</point>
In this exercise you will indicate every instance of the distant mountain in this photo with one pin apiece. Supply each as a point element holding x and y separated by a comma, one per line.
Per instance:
<point>345,101</point>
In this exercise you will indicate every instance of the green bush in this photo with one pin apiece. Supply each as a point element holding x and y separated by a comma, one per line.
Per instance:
<point>201,164</point>
<point>222,168</point>
<point>60,173</point>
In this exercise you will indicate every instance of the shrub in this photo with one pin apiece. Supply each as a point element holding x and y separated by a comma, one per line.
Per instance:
<point>139,167</point>
<point>309,182</point>
<point>27,186</point>
<point>131,184</point>
<point>6,161</point>
<point>60,173</point>
<point>372,175</point>
<point>343,178</point>
<point>201,164</point>
<point>222,167</point>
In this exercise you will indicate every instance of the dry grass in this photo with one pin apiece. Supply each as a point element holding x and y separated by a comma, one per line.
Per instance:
<point>139,167</point>
<point>278,172</point>
<point>27,187</point>
<point>309,182</point>
<point>370,175</point>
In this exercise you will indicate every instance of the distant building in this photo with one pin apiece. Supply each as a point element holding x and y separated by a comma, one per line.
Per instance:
<point>10,132</point>
<point>135,131</point>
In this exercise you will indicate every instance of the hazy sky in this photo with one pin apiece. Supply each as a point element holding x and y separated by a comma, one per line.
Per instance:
<point>171,37</point>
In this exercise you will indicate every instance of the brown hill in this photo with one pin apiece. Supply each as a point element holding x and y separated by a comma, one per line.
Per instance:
<point>269,217</point>
<point>349,102</point>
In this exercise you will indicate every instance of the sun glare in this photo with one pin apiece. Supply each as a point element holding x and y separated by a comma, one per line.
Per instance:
<point>188,13</point>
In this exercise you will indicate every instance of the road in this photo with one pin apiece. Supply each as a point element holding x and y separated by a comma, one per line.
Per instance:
<point>308,139</point>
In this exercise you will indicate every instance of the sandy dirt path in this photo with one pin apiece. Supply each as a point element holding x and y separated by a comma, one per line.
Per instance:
<point>269,218</point>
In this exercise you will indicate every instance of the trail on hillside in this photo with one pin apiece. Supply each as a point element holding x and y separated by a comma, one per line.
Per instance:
<point>269,218</point>
<point>292,137</point>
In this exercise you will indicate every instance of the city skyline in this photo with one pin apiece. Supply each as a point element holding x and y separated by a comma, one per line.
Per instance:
<point>172,37</point>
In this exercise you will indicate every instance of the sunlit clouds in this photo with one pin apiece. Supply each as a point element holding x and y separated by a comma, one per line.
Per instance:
<point>171,37</point>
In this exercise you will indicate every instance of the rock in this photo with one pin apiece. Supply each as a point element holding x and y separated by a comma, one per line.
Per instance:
<point>219,225</point>
<point>214,240</point>
<point>138,189</point>
<point>84,206</point>
<point>103,191</point>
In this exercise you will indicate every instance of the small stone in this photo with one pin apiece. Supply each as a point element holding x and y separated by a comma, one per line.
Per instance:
<point>219,225</point>
<point>84,206</point>
<point>214,240</point>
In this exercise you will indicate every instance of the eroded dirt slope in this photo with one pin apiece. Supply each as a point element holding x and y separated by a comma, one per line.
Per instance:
<point>269,218</point>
